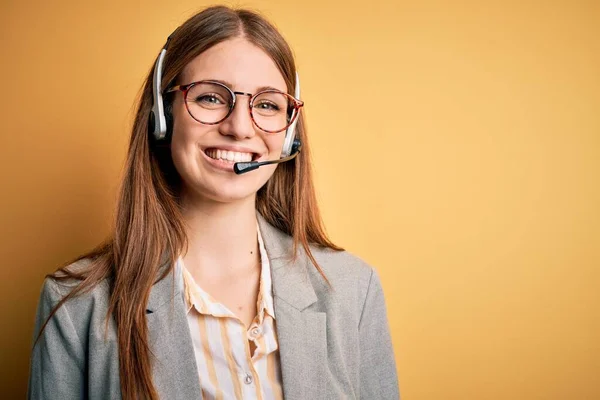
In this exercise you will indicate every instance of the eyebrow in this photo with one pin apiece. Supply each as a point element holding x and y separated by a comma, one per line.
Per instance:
<point>229,85</point>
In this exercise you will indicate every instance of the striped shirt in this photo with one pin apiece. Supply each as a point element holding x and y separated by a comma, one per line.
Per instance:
<point>226,368</point>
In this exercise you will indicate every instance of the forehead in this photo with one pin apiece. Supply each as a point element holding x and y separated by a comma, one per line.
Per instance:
<point>237,61</point>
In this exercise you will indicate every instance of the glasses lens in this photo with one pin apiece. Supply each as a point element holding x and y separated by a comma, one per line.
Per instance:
<point>208,102</point>
<point>272,111</point>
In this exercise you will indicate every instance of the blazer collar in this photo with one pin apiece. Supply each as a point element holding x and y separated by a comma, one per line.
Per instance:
<point>291,282</point>
<point>166,289</point>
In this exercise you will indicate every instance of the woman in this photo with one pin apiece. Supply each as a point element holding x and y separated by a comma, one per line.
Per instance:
<point>215,283</point>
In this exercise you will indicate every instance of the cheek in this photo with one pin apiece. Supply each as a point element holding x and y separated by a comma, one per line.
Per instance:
<point>184,149</point>
<point>275,144</point>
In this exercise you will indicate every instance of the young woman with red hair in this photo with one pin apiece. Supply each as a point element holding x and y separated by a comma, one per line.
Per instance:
<point>214,283</point>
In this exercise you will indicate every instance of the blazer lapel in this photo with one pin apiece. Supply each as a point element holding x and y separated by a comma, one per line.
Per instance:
<point>301,331</point>
<point>175,373</point>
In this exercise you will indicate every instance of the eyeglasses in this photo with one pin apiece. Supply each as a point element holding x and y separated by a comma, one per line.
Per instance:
<point>211,102</point>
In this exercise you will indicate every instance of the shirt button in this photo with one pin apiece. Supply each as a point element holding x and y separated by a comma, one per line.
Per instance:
<point>248,379</point>
<point>255,332</point>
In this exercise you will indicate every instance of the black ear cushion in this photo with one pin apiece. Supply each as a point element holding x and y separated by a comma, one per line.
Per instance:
<point>169,118</point>
<point>295,145</point>
<point>151,123</point>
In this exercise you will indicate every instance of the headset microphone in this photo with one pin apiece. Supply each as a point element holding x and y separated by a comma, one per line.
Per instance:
<point>243,167</point>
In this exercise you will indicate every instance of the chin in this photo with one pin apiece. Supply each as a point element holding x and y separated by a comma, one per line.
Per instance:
<point>230,190</point>
<point>233,196</point>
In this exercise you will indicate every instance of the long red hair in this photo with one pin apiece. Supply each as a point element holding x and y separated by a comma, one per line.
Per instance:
<point>149,230</point>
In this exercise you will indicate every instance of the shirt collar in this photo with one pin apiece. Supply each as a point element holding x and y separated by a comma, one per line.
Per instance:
<point>265,295</point>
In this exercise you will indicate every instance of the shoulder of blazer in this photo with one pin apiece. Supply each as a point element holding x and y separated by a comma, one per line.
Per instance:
<point>341,264</point>
<point>349,275</point>
<point>337,265</point>
<point>64,287</point>
<point>86,309</point>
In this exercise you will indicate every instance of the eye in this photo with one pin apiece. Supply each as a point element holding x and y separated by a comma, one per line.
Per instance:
<point>210,99</point>
<point>267,105</point>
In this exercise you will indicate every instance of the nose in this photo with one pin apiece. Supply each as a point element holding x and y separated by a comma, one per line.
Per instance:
<point>239,123</point>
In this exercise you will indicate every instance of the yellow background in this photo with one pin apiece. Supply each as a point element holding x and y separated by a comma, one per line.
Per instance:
<point>456,149</point>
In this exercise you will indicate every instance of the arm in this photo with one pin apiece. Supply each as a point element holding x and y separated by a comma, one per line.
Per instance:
<point>378,377</point>
<point>57,359</point>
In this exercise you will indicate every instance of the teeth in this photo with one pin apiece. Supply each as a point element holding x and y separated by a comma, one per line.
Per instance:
<point>230,156</point>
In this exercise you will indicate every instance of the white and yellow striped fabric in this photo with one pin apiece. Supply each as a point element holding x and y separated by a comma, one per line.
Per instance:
<point>226,368</point>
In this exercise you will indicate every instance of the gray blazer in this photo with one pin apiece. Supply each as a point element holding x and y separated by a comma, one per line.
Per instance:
<point>334,344</point>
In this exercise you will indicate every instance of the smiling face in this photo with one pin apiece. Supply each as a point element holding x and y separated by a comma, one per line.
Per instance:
<point>194,146</point>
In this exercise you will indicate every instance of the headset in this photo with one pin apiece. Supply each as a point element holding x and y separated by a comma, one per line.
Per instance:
<point>160,124</point>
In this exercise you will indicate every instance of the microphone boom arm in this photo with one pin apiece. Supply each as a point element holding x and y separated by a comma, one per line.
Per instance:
<point>243,167</point>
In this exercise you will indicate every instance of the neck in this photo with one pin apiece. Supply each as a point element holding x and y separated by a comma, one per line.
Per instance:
<point>222,237</point>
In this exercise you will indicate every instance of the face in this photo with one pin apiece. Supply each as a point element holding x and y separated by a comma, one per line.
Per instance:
<point>245,68</point>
